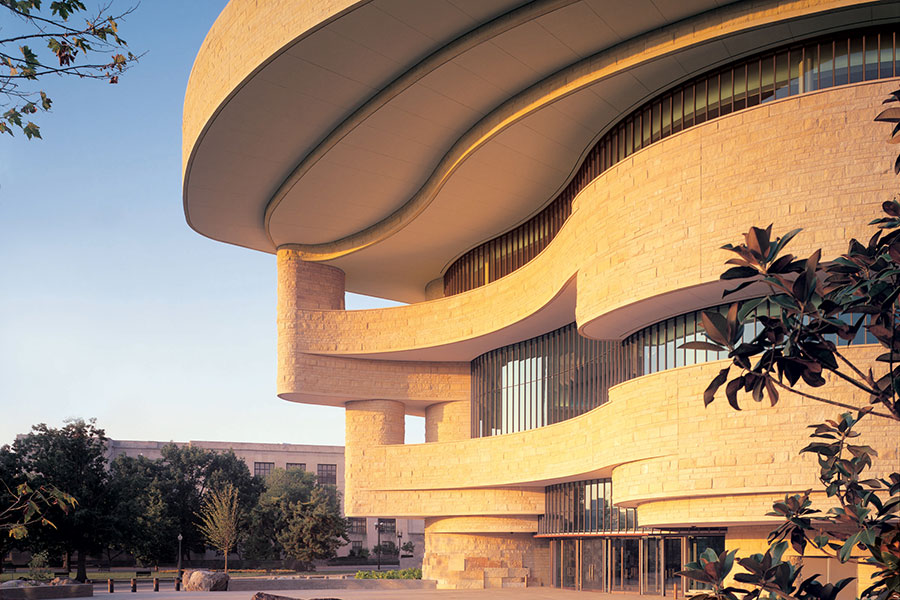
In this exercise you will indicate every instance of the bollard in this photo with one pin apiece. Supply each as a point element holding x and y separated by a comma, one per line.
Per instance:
<point>675,591</point>
<point>156,584</point>
<point>177,585</point>
<point>133,584</point>
<point>110,586</point>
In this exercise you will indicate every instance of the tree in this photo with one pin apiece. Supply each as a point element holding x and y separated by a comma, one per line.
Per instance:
<point>195,471</point>
<point>816,304</point>
<point>22,506</point>
<point>220,519</point>
<point>296,517</point>
<point>315,529</point>
<point>72,458</point>
<point>142,514</point>
<point>92,49</point>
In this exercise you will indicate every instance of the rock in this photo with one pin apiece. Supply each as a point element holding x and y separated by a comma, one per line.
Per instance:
<point>62,581</point>
<point>265,596</point>
<point>13,583</point>
<point>202,580</point>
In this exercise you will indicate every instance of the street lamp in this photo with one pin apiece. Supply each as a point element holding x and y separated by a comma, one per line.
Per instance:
<point>378,527</point>
<point>178,576</point>
<point>399,546</point>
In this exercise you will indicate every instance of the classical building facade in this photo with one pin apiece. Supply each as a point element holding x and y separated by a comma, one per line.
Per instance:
<point>547,185</point>
<point>326,462</point>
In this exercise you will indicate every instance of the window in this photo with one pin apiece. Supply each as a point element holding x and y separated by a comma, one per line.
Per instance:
<point>327,474</point>
<point>357,525</point>
<point>300,466</point>
<point>388,526</point>
<point>356,547</point>
<point>263,469</point>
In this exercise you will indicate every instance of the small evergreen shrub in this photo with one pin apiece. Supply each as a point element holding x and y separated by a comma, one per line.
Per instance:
<point>411,573</point>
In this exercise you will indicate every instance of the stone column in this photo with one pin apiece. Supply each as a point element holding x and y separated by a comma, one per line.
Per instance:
<point>448,421</point>
<point>307,285</point>
<point>302,286</point>
<point>367,423</point>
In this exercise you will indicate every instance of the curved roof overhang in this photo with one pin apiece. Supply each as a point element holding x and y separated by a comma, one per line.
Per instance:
<point>388,137</point>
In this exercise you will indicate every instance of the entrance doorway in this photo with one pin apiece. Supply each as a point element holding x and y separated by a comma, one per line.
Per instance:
<point>636,564</point>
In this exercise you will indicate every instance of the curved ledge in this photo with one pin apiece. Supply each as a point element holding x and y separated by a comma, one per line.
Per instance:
<point>643,240</point>
<point>411,209</point>
<point>654,437</point>
<point>729,20</point>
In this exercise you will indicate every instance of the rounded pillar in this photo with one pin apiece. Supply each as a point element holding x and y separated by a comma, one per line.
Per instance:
<point>448,421</point>
<point>307,285</point>
<point>302,286</point>
<point>367,423</point>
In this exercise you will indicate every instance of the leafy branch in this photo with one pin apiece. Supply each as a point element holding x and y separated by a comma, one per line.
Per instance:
<point>92,50</point>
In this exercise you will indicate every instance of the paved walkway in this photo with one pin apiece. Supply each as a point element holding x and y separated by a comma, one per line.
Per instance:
<point>533,593</point>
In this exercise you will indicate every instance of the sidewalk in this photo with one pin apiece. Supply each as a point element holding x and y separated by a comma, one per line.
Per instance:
<point>535,593</point>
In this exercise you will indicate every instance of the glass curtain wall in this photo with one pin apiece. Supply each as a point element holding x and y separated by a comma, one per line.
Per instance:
<point>816,64</point>
<point>540,381</point>
<point>560,375</point>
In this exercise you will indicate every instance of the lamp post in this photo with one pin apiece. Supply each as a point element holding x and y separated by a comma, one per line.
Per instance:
<point>178,575</point>
<point>378,527</point>
<point>399,546</point>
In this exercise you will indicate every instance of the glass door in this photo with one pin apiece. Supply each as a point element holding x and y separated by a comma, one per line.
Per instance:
<point>625,565</point>
<point>697,545</point>
<point>593,564</point>
<point>652,566</point>
<point>673,561</point>
<point>569,563</point>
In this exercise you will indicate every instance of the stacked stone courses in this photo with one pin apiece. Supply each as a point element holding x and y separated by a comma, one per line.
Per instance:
<point>642,245</point>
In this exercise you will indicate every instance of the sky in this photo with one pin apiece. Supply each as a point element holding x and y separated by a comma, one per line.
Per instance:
<point>111,307</point>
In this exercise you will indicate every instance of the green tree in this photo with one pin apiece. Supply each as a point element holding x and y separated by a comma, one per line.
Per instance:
<point>142,513</point>
<point>296,517</point>
<point>21,505</point>
<point>72,458</point>
<point>39,41</point>
<point>220,519</point>
<point>195,471</point>
<point>315,529</point>
<point>817,304</point>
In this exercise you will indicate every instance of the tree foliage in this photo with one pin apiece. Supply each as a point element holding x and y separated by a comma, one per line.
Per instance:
<point>219,519</point>
<point>818,303</point>
<point>23,506</point>
<point>40,40</point>
<point>143,515</point>
<point>73,459</point>
<point>296,517</point>
<point>194,471</point>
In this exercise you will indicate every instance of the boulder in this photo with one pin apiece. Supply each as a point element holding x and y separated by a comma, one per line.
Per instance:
<point>13,583</point>
<point>202,580</point>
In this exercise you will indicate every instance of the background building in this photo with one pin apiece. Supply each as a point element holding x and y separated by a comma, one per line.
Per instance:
<point>327,462</point>
<point>548,185</point>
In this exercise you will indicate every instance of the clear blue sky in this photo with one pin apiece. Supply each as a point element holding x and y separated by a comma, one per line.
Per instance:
<point>110,306</point>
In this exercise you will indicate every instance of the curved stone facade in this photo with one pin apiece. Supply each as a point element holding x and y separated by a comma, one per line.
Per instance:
<point>642,244</point>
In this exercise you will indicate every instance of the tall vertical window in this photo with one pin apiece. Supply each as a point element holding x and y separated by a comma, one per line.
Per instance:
<point>327,474</point>
<point>815,64</point>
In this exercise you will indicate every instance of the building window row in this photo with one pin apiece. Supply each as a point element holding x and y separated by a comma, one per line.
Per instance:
<point>584,507</point>
<point>560,375</point>
<point>816,64</point>
<point>326,473</point>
